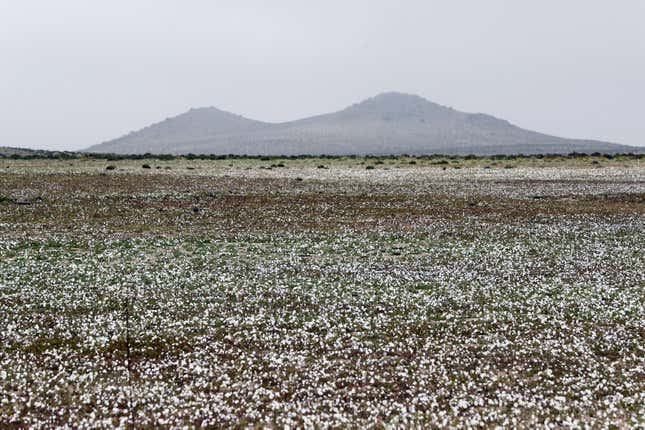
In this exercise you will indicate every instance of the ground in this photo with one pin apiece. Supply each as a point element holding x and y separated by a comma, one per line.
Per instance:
<point>347,293</point>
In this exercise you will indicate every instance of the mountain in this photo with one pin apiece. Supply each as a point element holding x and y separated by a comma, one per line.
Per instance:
<point>194,125</point>
<point>389,123</point>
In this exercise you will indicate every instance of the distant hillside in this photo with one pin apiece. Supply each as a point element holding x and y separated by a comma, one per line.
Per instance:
<point>194,125</point>
<point>7,152</point>
<point>390,123</point>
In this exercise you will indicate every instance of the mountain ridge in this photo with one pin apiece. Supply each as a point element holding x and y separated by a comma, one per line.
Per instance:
<point>388,123</point>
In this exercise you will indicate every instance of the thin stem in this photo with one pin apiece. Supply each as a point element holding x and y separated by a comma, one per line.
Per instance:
<point>128,355</point>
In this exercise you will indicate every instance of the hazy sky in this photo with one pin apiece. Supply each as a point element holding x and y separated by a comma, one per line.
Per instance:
<point>76,72</point>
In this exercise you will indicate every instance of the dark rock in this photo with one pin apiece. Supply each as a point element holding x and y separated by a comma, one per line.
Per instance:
<point>24,201</point>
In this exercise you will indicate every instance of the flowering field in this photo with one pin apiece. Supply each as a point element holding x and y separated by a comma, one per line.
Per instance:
<point>322,293</point>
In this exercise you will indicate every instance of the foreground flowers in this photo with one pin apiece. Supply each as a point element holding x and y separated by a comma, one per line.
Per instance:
<point>419,309</point>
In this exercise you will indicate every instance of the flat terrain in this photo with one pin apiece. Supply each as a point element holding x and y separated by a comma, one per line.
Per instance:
<point>347,293</point>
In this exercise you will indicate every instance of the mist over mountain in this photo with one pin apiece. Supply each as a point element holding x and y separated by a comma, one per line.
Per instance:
<point>389,123</point>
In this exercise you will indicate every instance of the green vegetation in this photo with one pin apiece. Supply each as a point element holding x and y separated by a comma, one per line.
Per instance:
<point>379,159</point>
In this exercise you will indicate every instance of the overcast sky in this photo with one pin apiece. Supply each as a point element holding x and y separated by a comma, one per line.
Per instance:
<point>76,72</point>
